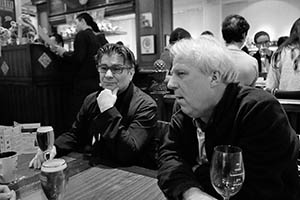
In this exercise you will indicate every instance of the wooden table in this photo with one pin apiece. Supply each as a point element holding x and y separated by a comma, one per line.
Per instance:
<point>100,182</point>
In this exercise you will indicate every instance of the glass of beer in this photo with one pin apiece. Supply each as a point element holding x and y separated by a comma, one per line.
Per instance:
<point>54,178</point>
<point>45,140</point>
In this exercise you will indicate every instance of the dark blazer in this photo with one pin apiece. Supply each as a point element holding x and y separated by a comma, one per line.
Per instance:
<point>126,131</point>
<point>246,117</point>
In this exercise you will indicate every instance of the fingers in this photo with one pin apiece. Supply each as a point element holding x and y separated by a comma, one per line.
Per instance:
<point>36,163</point>
<point>115,91</point>
<point>13,195</point>
<point>4,189</point>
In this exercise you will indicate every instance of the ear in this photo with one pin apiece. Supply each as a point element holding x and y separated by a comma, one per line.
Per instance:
<point>131,73</point>
<point>215,79</point>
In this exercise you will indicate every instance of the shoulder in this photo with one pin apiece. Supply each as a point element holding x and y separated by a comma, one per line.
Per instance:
<point>140,97</point>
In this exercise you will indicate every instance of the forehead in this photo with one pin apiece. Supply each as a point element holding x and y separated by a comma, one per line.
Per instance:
<point>112,58</point>
<point>262,38</point>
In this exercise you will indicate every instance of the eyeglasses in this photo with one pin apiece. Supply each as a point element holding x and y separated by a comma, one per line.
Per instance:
<point>263,44</point>
<point>115,69</point>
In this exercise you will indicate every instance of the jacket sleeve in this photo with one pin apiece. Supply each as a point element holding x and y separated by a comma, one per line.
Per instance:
<point>175,175</point>
<point>127,143</point>
<point>77,137</point>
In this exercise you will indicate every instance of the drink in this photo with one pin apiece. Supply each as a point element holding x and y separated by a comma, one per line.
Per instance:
<point>54,179</point>
<point>45,139</point>
<point>8,166</point>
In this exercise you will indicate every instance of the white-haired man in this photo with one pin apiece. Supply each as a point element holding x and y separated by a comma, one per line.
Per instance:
<point>213,110</point>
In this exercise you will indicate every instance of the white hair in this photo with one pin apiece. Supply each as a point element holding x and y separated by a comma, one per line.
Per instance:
<point>208,54</point>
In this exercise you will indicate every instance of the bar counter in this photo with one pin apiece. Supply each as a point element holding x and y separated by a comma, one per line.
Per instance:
<point>104,181</point>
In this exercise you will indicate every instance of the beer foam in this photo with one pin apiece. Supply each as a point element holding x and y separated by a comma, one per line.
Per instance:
<point>44,129</point>
<point>54,165</point>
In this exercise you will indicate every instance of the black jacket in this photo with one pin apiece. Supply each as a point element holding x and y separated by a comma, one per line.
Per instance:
<point>126,130</point>
<point>245,117</point>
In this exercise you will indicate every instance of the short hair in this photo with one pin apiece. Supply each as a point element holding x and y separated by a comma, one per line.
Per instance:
<point>207,33</point>
<point>208,55</point>
<point>121,50</point>
<point>234,28</point>
<point>178,34</point>
<point>260,33</point>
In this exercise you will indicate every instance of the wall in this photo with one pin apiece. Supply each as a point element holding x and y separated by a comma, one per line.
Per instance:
<point>188,16</point>
<point>273,16</point>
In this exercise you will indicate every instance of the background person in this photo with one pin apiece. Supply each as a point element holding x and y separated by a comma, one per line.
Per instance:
<point>215,110</point>
<point>117,122</point>
<point>284,73</point>
<point>263,54</point>
<point>85,80</point>
<point>234,31</point>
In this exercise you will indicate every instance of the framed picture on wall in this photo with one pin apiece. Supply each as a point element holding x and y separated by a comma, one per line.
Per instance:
<point>147,44</point>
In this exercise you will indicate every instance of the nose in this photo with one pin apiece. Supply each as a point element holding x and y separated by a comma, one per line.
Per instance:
<point>172,83</point>
<point>108,73</point>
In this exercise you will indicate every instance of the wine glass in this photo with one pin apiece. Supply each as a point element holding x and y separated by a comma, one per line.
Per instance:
<point>227,172</point>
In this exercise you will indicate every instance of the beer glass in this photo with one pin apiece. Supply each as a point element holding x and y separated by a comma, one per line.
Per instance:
<point>45,140</point>
<point>54,178</point>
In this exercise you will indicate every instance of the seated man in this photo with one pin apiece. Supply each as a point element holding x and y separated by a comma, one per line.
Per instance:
<point>234,31</point>
<point>115,123</point>
<point>215,110</point>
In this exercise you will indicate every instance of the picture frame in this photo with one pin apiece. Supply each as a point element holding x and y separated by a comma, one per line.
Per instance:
<point>147,44</point>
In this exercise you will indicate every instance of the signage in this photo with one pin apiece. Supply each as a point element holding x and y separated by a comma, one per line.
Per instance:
<point>7,12</point>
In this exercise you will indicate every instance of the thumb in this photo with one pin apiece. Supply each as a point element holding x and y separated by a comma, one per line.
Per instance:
<point>52,153</point>
<point>6,195</point>
<point>115,91</point>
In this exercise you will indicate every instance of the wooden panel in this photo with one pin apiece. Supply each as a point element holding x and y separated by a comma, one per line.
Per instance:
<point>56,7</point>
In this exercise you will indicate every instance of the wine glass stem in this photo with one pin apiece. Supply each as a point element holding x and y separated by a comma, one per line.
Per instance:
<point>226,198</point>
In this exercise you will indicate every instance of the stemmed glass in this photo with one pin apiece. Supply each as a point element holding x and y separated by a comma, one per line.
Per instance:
<point>227,172</point>
<point>45,140</point>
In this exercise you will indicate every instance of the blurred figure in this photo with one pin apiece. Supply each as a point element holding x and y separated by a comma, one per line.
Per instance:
<point>263,54</point>
<point>281,40</point>
<point>85,79</point>
<point>117,122</point>
<point>284,73</point>
<point>234,31</point>
<point>213,110</point>
<point>6,193</point>
<point>207,33</point>
<point>176,35</point>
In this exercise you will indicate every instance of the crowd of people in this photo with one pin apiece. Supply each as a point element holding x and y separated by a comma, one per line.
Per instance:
<point>216,103</point>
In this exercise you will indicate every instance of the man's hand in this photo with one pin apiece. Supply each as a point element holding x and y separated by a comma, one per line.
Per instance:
<point>6,193</point>
<point>107,99</point>
<point>196,194</point>
<point>59,50</point>
<point>38,159</point>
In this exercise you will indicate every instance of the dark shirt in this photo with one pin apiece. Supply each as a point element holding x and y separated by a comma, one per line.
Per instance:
<point>246,117</point>
<point>126,130</point>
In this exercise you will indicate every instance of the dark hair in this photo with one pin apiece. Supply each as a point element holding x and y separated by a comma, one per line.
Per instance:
<point>260,33</point>
<point>295,28</point>
<point>120,50</point>
<point>120,43</point>
<point>281,40</point>
<point>58,38</point>
<point>178,34</point>
<point>89,21</point>
<point>207,33</point>
<point>234,28</point>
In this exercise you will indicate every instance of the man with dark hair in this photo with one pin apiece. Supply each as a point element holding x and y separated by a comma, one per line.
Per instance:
<point>115,123</point>
<point>263,54</point>
<point>234,31</point>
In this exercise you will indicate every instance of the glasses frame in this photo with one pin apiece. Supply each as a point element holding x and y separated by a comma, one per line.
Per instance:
<point>120,68</point>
